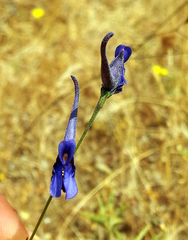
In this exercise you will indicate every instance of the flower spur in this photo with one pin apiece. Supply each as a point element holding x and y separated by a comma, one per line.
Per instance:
<point>64,170</point>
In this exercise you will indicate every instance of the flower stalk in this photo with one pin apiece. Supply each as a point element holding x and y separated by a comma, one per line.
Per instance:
<point>104,95</point>
<point>41,217</point>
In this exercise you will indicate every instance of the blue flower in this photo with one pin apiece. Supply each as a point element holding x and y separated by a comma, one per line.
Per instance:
<point>64,170</point>
<point>113,74</point>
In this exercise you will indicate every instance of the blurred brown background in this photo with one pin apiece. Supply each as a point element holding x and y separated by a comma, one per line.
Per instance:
<point>131,169</point>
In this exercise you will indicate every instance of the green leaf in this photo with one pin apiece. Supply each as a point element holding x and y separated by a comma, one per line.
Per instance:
<point>143,233</point>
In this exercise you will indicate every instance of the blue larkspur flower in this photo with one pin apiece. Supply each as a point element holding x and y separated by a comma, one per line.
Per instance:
<point>63,174</point>
<point>113,74</point>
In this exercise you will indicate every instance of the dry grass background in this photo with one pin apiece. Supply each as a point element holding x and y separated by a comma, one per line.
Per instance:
<point>134,160</point>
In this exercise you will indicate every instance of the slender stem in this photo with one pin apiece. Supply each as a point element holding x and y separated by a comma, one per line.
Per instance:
<point>102,100</point>
<point>41,217</point>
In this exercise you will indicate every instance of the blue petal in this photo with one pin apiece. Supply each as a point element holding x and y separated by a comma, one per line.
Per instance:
<point>125,81</point>
<point>122,80</point>
<point>71,186</point>
<point>127,51</point>
<point>116,68</point>
<point>69,181</point>
<point>67,147</point>
<point>56,180</point>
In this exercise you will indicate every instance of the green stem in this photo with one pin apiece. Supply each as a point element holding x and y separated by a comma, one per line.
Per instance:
<point>102,100</point>
<point>41,217</point>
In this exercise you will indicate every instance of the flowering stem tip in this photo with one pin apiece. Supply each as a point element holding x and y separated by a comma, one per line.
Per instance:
<point>112,77</point>
<point>64,170</point>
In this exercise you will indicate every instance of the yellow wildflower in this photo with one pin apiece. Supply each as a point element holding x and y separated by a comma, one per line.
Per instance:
<point>159,70</point>
<point>163,227</point>
<point>2,176</point>
<point>38,12</point>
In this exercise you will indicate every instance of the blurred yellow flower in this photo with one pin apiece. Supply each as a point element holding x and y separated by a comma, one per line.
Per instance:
<point>159,70</point>
<point>38,12</point>
<point>163,227</point>
<point>2,176</point>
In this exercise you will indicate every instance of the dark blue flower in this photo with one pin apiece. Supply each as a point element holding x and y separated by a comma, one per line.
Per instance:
<point>64,170</point>
<point>113,74</point>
